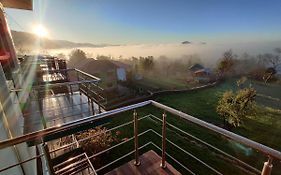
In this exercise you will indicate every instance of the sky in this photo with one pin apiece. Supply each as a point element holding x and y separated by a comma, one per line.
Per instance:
<point>153,21</point>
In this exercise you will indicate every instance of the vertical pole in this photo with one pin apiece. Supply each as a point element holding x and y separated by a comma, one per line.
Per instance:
<point>40,106</point>
<point>48,158</point>
<point>163,161</point>
<point>77,75</point>
<point>78,79</point>
<point>137,162</point>
<point>39,163</point>
<point>99,108</point>
<point>71,91</point>
<point>267,167</point>
<point>81,101</point>
<point>93,107</point>
<point>88,92</point>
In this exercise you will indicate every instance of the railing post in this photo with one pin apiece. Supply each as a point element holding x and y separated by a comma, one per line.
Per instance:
<point>137,162</point>
<point>267,167</point>
<point>71,91</point>
<point>163,161</point>
<point>99,108</point>
<point>77,75</point>
<point>48,158</point>
<point>88,92</point>
<point>93,107</point>
<point>78,79</point>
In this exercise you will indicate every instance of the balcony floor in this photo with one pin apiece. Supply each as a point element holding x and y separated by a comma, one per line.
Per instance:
<point>56,110</point>
<point>150,165</point>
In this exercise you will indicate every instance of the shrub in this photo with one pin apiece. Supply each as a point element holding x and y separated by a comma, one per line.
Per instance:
<point>234,107</point>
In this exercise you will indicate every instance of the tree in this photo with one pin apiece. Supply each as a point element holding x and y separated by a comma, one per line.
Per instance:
<point>76,56</point>
<point>240,83</point>
<point>234,107</point>
<point>147,63</point>
<point>22,51</point>
<point>268,74</point>
<point>103,57</point>
<point>102,140</point>
<point>226,63</point>
<point>271,62</point>
<point>61,56</point>
<point>163,64</point>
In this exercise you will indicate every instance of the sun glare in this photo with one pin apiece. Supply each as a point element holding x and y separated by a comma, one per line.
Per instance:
<point>40,31</point>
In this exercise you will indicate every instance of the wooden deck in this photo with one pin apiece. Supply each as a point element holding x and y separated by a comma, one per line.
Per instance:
<point>56,110</point>
<point>150,165</point>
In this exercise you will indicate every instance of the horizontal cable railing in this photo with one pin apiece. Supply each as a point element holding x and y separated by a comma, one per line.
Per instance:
<point>80,78</point>
<point>208,145</point>
<point>175,160</point>
<point>259,147</point>
<point>67,126</point>
<point>49,85</point>
<point>94,135</point>
<point>51,109</point>
<point>273,154</point>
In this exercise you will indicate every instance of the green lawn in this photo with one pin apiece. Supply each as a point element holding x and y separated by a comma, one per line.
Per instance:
<point>264,127</point>
<point>162,83</point>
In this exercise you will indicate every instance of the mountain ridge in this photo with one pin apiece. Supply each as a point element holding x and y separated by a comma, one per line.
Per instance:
<point>29,41</point>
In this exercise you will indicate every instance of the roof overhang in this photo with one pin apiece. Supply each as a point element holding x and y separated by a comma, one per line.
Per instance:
<point>18,4</point>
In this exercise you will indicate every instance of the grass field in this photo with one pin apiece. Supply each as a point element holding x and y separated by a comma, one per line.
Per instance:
<point>163,83</point>
<point>264,127</point>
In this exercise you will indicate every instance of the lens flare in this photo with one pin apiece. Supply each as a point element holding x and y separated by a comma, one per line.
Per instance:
<point>40,31</point>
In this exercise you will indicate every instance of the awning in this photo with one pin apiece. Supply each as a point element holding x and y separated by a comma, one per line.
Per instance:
<point>18,4</point>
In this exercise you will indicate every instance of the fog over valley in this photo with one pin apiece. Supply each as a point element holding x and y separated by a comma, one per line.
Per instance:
<point>208,53</point>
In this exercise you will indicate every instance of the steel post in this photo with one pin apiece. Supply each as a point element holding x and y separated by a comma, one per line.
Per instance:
<point>267,167</point>
<point>163,161</point>
<point>137,161</point>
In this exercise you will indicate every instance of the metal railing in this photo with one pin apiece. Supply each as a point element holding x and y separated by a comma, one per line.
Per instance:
<point>79,77</point>
<point>79,81</point>
<point>76,165</point>
<point>271,153</point>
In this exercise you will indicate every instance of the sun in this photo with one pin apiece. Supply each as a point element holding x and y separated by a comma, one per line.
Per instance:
<point>40,31</point>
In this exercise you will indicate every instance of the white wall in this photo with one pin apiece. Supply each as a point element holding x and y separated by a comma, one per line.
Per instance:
<point>121,74</point>
<point>11,125</point>
<point>7,156</point>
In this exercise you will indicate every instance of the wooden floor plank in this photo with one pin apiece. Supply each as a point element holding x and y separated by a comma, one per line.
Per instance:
<point>150,165</point>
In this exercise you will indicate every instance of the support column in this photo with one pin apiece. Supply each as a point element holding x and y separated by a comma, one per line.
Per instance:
<point>137,161</point>
<point>48,158</point>
<point>267,167</point>
<point>71,91</point>
<point>93,107</point>
<point>163,161</point>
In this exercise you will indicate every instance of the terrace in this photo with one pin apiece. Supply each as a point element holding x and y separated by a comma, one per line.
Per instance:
<point>54,95</point>
<point>61,103</point>
<point>148,134</point>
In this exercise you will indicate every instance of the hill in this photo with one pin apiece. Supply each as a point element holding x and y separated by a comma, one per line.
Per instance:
<point>28,41</point>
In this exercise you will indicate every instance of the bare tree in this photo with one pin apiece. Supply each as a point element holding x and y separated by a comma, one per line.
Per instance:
<point>76,56</point>
<point>272,61</point>
<point>226,63</point>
